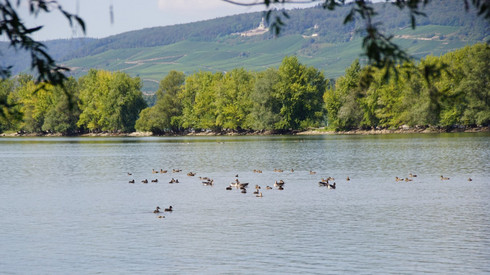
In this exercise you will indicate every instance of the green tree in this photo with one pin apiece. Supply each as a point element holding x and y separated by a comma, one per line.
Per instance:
<point>384,99</point>
<point>169,105</point>
<point>266,106</point>
<point>233,102</point>
<point>34,102</point>
<point>109,101</point>
<point>343,108</point>
<point>11,118</point>
<point>300,91</point>
<point>147,121</point>
<point>45,108</point>
<point>60,116</point>
<point>198,101</point>
<point>164,116</point>
<point>468,80</point>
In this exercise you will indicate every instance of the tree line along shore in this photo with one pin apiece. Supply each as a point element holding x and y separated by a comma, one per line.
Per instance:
<point>435,94</point>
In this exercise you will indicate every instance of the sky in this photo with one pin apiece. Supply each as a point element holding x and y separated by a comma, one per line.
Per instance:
<point>129,15</point>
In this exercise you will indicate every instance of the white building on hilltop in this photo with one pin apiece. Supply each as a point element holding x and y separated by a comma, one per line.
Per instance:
<point>261,29</point>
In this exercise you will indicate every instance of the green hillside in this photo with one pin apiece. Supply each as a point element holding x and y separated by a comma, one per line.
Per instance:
<point>153,63</point>
<point>316,36</point>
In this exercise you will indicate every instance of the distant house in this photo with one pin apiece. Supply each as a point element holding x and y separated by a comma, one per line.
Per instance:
<point>261,29</point>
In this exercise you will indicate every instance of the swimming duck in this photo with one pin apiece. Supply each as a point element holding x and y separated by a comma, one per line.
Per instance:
<point>228,188</point>
<point>239,184</point>
<point>323,182</point>
<point>161,217</point>
<point>208,182</point>
<point>280,188</point>
<point>256,192</point>
<point>154,171</point>
<point>163,171</point>
<point>243,185</point>
<point>412,175</point>
<point>176,170</point>
<point>312,172</point>
<point>190,174</point>
<point>268,187</point>
<point>331,186</point>
<point>129,174</point>
<point>172,180</point>
<point>279,183</point>
<point>347,179</point>
<point>259,195</point>
<point>157,210</point>
<point>244,190</point>
<point>470,179</point>
<point>407,179</point>
<point>444,178</point>
<point>235,183</point>
<point>131,181</point>
<point>169,209</point>
<point>144,181</point>
<point>155,180</point>
<point>398,179</point>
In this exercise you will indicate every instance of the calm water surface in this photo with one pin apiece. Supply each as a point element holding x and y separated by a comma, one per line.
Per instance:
<point>66,205</point>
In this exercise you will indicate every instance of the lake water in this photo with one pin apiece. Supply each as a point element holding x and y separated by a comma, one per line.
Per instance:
<point>66,205</point>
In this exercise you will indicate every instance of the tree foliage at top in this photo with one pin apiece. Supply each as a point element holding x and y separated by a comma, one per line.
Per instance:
<point>21,38</point>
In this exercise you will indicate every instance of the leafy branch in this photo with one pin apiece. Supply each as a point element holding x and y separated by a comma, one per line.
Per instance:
<point>21,38</point>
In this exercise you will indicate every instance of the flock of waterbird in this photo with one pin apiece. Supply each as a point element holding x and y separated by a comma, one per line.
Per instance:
<point>206,181</point>
<point>412,176</point>
<point>235,184</point>
<point>242,186</point>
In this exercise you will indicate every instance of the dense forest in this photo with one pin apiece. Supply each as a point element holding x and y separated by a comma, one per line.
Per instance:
<point>291,97</point>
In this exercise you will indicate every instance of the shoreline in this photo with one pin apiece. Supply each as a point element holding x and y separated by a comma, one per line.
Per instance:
<point>311,132</point>
<point>428,130</point>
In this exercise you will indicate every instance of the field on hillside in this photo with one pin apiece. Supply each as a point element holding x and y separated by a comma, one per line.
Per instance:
<point>151,64</point>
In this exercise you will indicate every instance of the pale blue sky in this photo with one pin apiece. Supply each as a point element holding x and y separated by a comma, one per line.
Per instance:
<point>130,15</point>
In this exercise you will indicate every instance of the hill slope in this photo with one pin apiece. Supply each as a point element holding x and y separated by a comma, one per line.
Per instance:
<point>315,35</point>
